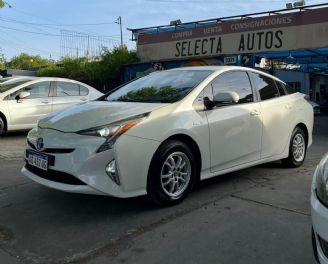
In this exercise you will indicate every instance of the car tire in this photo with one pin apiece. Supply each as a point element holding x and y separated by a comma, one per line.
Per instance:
<point>2,126</point>
<point>172,173</point>
<point>297,149</point>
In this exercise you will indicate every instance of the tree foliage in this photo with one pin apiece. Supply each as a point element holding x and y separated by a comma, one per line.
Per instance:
<point>2,3</point>
<point>106,67</point>
<point>2,62</point>
<point>25,61</point>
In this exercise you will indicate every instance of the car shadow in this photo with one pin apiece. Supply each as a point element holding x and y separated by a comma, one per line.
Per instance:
<point>14,134</point>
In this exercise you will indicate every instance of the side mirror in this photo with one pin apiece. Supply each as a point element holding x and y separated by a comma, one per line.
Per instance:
<point>209,104</point>
<point>226,97</point>
<point>22,95</point>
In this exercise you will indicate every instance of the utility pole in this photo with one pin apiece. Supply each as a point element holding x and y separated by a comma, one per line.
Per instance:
<point>119,21</point>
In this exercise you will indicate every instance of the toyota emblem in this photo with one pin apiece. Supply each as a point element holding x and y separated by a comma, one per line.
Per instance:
<point>39,143</point>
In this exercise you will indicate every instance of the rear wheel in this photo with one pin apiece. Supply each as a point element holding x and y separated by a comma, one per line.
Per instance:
<point>2,126</point>
<point>172,173</point>
<point>297,149</point>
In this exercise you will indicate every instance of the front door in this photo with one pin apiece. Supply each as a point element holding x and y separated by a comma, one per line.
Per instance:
<point>24,113</point>
<point>235,127</point>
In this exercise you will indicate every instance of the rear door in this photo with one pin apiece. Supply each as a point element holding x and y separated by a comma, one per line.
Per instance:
<point>235,128</point>
<point>24,113</point>
<point>68,93</point>
<point>277,115</point>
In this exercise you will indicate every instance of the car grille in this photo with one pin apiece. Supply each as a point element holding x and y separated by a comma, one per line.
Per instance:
<point>52,150</point>
<point>56,176</point>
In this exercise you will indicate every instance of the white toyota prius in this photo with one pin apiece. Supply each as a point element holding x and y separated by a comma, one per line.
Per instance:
<point>159,134</point>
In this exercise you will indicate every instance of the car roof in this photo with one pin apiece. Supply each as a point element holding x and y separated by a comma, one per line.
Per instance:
<point>219,69</point>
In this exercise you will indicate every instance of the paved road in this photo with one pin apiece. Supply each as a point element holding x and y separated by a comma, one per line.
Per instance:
<point>257,215</point>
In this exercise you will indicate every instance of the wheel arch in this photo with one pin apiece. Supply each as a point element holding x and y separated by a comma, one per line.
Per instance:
<point>2,115</point>
<point>192,144</point>
<point>305,129</point>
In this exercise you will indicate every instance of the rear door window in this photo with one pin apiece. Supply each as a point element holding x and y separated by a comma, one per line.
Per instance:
<point>266,86</point>
<point>83,90</point>
<point>281,88</point>
<point>67,89</point>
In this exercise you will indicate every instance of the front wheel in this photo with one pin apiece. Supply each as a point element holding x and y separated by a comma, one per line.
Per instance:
<point>297,149</point>
<point>172,173</point>
<point>2,126</point>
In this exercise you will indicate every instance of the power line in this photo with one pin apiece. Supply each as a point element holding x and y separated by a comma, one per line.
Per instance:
<point>31,32</point>
<point>48,34</point>
<point>53,24</point>
<point>25,47</point>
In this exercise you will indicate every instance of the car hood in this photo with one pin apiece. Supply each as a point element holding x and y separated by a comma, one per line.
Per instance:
<point>94,114</point>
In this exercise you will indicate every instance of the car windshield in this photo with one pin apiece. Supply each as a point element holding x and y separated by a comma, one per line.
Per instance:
<point>9,84</point>
<point>160,87</point>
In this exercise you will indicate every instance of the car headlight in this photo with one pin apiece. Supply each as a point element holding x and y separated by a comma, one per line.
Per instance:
<point>321,179</point>
<point>113,131</point>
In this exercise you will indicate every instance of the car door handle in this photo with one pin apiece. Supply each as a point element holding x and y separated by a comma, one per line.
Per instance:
<point>288,106</point>
<point>255,113</point>
<point>45,102</point>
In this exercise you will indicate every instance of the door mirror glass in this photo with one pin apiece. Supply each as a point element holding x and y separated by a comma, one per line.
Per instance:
<point>22,95</point>
<point>226,98</point>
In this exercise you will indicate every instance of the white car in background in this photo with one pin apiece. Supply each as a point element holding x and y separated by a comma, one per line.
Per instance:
<point>319,211</point>
<point>159,134</point>
<point>23,100</point>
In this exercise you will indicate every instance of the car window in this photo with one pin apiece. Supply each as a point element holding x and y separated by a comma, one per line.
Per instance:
<point>37,90</point>
<point>67,89</point>
<point>83,90</point>
<point>281,88</point>
<point>290,89</point>
<point>12,83</point>
<point>266,86</point>
<point>159,87</point>
<point>236,81</point>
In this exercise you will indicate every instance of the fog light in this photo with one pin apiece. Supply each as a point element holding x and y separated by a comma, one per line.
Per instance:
<point>112,172</point>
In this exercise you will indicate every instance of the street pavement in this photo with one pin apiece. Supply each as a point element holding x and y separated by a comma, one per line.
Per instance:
<point>257,215</point>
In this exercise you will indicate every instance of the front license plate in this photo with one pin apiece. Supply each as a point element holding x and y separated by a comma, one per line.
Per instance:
<point>37,160</point>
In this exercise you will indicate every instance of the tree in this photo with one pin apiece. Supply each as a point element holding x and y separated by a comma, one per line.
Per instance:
<point>2,3</point>
<point>25,61</point>
<point>106,67</point>
<point>2,62</point>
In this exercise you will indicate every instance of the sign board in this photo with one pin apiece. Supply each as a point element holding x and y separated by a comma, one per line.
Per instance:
<point>305,29</point>
<point>230,60</point>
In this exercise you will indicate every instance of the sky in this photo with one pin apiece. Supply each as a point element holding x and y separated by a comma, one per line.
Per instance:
<point>37,26</point>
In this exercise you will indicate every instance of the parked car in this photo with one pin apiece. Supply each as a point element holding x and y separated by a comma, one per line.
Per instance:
<point>316,107</point>
<point>319,211</point>
<point>159,134</point>
<point>24,100</point>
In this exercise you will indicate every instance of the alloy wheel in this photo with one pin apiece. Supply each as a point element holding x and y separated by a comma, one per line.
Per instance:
<point>298,147</point>
<point>175,174</point>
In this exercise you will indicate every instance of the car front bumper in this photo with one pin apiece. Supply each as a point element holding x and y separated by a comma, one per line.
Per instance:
<point>319,214</point>
<point>132,155</point>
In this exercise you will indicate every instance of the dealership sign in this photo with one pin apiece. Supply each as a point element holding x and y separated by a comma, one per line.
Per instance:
<point>306,29</point>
